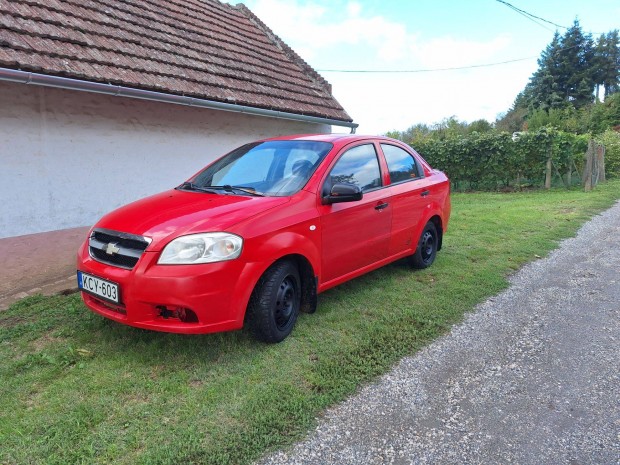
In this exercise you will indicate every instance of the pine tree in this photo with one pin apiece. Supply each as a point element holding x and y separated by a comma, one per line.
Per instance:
<point>611,63</point>
<point>561,91</point>
<point>599,63</point>
<point>575,74</point>
<point>566,73</point>
<point>537,93</point>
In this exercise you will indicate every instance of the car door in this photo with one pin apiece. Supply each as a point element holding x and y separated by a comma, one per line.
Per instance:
<point>409,197</point>
<point>355,234</point>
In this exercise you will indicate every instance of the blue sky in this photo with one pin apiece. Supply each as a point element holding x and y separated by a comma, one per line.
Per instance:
<point>416,34</point>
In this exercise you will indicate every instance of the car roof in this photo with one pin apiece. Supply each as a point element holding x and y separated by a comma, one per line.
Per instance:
<point>333,138</point>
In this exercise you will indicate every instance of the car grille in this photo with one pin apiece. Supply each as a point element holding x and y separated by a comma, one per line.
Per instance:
<point>116,248</point>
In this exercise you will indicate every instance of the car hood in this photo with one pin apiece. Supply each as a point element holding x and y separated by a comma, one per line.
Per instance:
<point>174,213</point>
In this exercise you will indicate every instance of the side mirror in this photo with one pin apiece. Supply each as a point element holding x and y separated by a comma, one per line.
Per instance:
<point>342,192</point>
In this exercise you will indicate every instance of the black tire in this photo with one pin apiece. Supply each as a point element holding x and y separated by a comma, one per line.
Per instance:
<point>275,302</point>
<point>426,251</point>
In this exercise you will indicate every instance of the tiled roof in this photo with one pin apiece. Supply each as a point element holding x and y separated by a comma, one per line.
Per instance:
<point>199,48</point>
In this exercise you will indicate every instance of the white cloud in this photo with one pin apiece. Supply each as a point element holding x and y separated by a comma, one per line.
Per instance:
<point>444,52</point>
<point>311,28</point>
<point>348,37</point>
<point>354,8</point>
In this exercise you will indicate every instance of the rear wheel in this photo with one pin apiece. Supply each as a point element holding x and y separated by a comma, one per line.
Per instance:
<point>274,305</point>
<point>424,255</point>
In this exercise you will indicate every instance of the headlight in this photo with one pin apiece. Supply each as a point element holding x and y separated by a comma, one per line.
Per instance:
<point>201,248</point>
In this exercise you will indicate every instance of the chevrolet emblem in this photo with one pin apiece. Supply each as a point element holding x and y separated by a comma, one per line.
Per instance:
<point>112,249</point>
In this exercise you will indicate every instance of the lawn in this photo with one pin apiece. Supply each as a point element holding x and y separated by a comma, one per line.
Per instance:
<point>76,388</point>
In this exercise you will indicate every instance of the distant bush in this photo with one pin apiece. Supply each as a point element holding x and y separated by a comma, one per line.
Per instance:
<point>611,140</point>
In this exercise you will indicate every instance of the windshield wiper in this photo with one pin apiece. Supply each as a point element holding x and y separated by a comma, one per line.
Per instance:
<point>244,189</point>
<point>191,186</point>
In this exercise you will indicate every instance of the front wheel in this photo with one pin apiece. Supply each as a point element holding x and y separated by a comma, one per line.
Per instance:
<point>424,255</point>
<point>274,305</point>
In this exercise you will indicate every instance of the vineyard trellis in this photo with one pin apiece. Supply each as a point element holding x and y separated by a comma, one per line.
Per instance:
<point>492,161</point>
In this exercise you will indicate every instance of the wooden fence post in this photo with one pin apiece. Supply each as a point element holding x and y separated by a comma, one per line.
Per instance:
<point>600,157</point>
<point>587,169</point>
<point>548,171</point>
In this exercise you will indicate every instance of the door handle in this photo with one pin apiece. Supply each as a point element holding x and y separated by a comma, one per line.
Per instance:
<point>425,193</point>
<point>381,206</point>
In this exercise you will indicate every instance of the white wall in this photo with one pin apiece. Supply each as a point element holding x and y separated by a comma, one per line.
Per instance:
<point>68,157</point>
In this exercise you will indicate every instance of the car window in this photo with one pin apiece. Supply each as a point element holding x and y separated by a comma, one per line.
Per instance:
<point>297,158</point>
<point>358,166</point>
<point>279,167</point>
<point>250,169</point>
<point>401,164</point>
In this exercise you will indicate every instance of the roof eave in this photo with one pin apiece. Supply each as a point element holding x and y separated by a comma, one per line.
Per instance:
<point>27,77</point>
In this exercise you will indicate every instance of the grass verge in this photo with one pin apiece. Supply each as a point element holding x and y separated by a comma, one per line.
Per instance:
<point>76,388</point>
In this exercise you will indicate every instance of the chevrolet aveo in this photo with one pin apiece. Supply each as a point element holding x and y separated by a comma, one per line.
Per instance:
<point>255,236</point>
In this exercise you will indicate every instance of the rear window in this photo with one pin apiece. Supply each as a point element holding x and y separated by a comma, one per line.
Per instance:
<point>401,164</point>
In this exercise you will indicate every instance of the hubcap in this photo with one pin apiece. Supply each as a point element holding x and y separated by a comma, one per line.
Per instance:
<point>285,302</point>
<point>428,245</point>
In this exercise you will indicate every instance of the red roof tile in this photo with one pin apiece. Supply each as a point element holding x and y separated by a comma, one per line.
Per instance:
<point>201,48</point>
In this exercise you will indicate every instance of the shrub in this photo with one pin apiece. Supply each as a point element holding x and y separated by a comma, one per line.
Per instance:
<point>611,140</point>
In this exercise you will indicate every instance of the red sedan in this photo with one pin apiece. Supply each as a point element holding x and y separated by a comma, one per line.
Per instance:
<point>256,235</point>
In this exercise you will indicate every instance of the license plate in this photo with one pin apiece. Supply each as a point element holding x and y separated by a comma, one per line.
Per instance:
<point>100,287</point>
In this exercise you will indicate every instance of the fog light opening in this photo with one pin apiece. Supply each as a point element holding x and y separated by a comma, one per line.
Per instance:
<point>164,312</point>
<point>184,314</point>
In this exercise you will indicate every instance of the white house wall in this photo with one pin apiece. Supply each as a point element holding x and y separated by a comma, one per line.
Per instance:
<point>68,157</point>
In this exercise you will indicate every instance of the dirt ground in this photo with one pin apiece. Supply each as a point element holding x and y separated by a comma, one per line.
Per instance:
<point>38,264</point>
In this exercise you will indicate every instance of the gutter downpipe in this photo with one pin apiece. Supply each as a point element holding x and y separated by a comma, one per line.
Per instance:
<point>26,77</point>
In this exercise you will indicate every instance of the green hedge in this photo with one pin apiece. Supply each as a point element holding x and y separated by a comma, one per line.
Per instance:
<point>490,161</point>
<point>611,140</point>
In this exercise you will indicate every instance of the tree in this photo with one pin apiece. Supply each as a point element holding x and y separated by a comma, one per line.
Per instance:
<point>480,125</point>
<point>607,63</point>
<point>611,111</point>
<point>542,90</point>
<point>565,74</point>
<point>449,127</point>
<point>599,64</point>
<point>565,119</point>
<point>512,121</point>
<point>412,134</point>
<point>576,71</point>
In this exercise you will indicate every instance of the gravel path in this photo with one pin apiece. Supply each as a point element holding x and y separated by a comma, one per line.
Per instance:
<point>531,377</point>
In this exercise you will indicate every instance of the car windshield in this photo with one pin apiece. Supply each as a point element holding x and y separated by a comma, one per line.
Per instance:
<point>273,168</point>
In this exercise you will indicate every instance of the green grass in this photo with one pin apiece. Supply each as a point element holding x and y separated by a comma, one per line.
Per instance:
<point>76,388</point>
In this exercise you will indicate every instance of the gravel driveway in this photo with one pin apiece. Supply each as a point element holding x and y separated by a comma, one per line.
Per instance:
<point>531,377</point>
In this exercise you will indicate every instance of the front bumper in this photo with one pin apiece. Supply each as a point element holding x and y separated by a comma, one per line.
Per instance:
<point>157,297</point>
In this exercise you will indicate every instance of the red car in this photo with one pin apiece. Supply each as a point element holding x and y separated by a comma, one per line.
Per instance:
<point>256,235</point>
